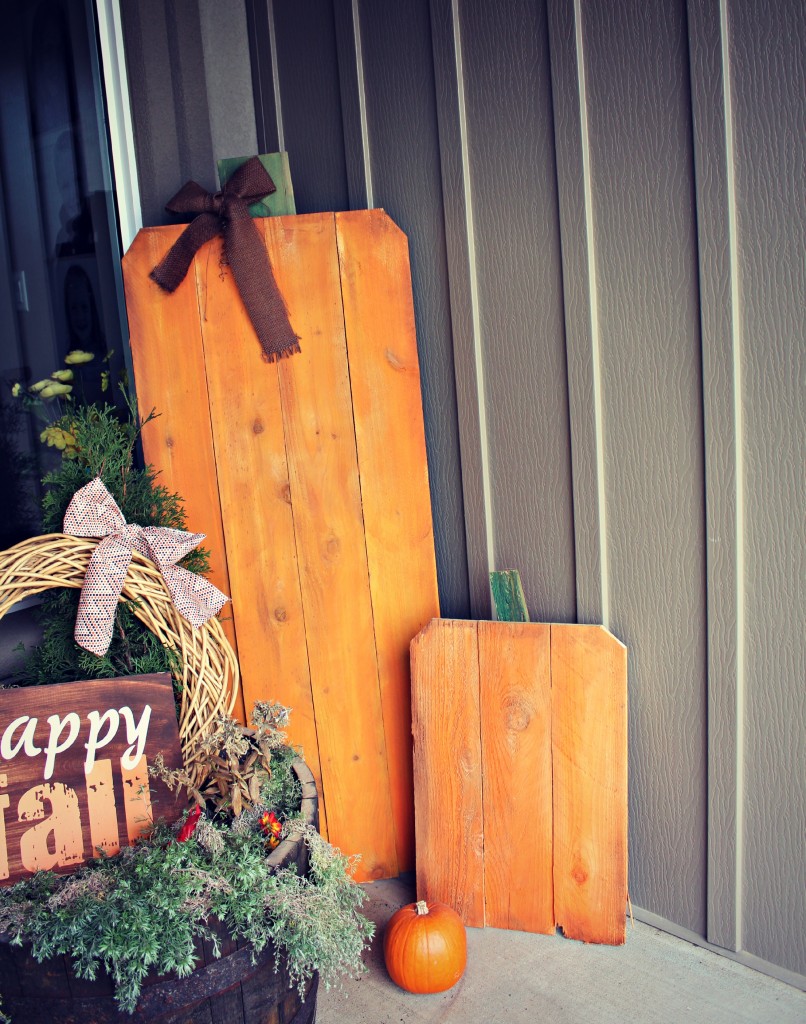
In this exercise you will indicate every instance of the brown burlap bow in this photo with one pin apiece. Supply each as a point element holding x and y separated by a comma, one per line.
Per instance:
<point>93,512</point>
<point>227,212</point>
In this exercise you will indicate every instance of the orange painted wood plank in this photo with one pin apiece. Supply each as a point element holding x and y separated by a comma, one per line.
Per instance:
<point>390,440</point>
<point>170,376</point>
<point>589,750</point>
<point>515,682</point>
<point>329,528</point>
<point>448,768</point>
<point>253,485</point>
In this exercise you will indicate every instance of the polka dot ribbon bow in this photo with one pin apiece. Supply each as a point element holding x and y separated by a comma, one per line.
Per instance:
<point>93,512</point>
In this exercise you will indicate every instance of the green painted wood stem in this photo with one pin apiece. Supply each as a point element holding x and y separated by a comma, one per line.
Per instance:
<point>279,202</point>
<point>508,596</point>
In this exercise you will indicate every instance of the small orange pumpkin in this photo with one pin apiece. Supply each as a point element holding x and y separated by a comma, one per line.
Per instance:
<point>425,947</point>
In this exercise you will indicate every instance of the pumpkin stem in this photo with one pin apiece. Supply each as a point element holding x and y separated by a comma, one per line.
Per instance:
<point>422,907</point>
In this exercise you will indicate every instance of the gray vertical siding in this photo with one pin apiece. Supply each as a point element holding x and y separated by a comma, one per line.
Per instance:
<point>767,55</point>
<point>649,349</point>
<point>307,83</point>
<point>717,277</point>
<point>579,300</point>
<point>191,95</point>
<point>402,156</point>
<point>605,207</point>
<point>510,139</point>
<point>464,302</point>
<point>227,78</point>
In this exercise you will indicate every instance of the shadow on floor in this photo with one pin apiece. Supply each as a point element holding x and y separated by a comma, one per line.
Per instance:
<point>516,977</point>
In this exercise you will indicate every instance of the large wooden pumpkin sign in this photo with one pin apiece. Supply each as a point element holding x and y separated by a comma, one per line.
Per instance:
<point>73,770</point>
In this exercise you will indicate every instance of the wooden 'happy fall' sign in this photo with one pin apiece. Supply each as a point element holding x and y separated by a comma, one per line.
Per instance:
<point>73,770</point>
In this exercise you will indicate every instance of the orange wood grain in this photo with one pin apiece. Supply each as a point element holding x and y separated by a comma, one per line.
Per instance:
<point>589,750</point>
<point>448,767</point>
<point>137,800</point>
<point>254,492</point>
<point>390,439</point>
<point>329,528</point>
<point>515,684</point>
<point>104,834</point>
<point>170,376</point>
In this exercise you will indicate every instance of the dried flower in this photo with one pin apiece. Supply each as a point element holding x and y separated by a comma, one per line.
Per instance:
<point>80,887</point>
<point>271,828</point>
<point>77,357</point>
<point>270,715</point>
<point>228,737</point>
<point>209,837</point>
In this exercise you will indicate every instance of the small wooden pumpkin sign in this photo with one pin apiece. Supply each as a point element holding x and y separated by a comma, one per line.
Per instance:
<point>425,947</point>
<point>73,769</point>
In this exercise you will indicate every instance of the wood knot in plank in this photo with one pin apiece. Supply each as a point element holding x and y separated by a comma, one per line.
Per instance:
<point>393,360</point>
<point>467,763</point>
<point>578,873</point>
<point>518,713</point>
<point>257,426</point>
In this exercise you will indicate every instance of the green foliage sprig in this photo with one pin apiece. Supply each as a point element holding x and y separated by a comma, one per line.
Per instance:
<point>144,907</point>
<point>97,440</point>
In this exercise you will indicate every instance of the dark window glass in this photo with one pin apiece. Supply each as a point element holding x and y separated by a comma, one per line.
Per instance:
<point>60,285</point>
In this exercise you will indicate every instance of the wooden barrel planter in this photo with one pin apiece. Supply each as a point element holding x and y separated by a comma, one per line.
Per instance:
<point>228,989</point>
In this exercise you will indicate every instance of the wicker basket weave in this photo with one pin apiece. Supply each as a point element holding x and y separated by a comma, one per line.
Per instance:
<point>209,669</point>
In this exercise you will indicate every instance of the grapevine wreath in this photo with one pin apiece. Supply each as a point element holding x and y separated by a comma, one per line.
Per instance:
<point>207,671</point>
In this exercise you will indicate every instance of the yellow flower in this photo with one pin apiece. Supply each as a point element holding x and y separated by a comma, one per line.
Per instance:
<point>78,356</point>
<point>105,380</point>
<point>55,437</point>
<point>16,391</point>
<point>54,390</point>
<point>40,385</point>
<point>62,375</point>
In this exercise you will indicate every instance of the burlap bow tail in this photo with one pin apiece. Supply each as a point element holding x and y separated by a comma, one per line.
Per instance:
<point>227,213</point>
<point>93,512</point>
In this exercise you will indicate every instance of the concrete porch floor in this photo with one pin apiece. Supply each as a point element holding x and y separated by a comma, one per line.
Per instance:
<point>516,977</point>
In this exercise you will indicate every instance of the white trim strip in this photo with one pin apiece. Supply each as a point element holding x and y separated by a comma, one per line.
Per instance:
<point>275,77</point>
<point>593,303</point>
<point>362,106</point>
<point>121,136</point>
<point>736,338</point>
<point>478,348</point>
